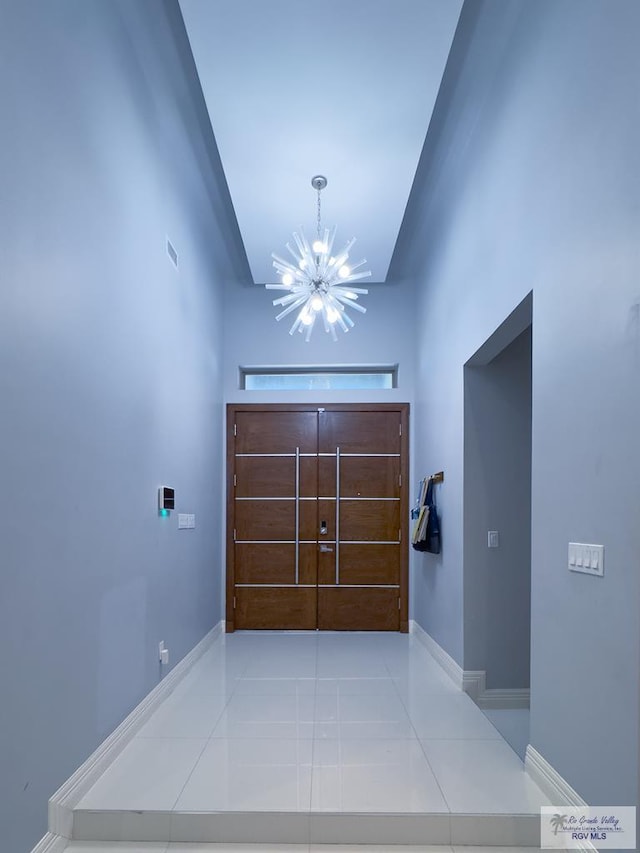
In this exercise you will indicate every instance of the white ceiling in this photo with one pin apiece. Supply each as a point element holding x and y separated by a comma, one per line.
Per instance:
<point>344,88</point>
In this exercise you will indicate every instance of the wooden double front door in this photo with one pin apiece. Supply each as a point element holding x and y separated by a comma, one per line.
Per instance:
<point>317,517</point>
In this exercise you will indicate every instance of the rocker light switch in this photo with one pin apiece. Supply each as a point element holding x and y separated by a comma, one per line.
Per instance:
<point>587,559</point>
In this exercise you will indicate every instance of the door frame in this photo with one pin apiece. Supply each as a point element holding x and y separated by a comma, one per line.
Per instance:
<point>401,408</point>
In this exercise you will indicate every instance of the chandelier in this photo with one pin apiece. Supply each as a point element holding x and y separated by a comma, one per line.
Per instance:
<point>318,283</point>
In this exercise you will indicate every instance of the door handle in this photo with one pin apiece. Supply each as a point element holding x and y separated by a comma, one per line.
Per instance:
<point>326,549</point>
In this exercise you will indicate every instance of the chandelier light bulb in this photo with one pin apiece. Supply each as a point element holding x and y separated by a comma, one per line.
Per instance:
<point>332,315</point>
<point>316,280</point>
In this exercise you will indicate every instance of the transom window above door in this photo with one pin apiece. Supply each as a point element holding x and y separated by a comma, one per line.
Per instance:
<point>355,377</point>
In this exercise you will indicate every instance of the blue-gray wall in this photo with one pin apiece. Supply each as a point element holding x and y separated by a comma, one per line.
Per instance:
<point>384,335</point>
<point>529,181</point>
<point>110,377</point>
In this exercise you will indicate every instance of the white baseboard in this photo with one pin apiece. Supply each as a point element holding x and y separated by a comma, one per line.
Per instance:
<point>549,780</point>
<point>64,800</point>
<point>471,681</point>
<point>51,843</point>
<point>453,670</point>
<point>494,699</point>
<point>557,789</point>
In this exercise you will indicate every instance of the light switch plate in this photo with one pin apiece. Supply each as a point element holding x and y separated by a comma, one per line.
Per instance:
<point>183,521</point>
<point>586,558</point>
<point>493,539</point>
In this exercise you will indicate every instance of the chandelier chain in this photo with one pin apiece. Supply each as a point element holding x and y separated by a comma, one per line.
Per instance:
<point>319,221</point>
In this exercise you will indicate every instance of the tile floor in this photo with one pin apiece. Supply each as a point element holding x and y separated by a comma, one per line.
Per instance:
<point>315,725</point>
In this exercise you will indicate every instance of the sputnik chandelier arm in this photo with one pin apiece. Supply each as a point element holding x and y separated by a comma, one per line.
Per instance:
<point>318,284</point>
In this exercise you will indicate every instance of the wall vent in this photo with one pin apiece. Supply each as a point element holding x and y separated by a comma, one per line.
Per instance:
<point>172,253</point>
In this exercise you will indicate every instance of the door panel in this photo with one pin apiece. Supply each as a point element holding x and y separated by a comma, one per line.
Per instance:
<point>309,476</point>
<point>284,608</point>
<point>327,475</point>
<point>280,432</point>
<point>327,563</point>
<point>308,520</point>
<point>308,563</point>
<point>369,476</point>
<point>369,520</point>
<point>360,476</point>
<point>275,563</point>
<point>369,564</point>
<point>359,432</point>
<point>266,477</point>
<point>267,563</point>
<point>292,468</point>
<point>363,587</point>
<point>358,609</point>
<point>256,519</point>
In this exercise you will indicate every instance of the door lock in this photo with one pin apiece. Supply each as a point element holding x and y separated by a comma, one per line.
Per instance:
<point>323,527</point>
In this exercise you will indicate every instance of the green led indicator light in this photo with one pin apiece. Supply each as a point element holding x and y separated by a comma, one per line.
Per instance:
<point>164,513</point>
